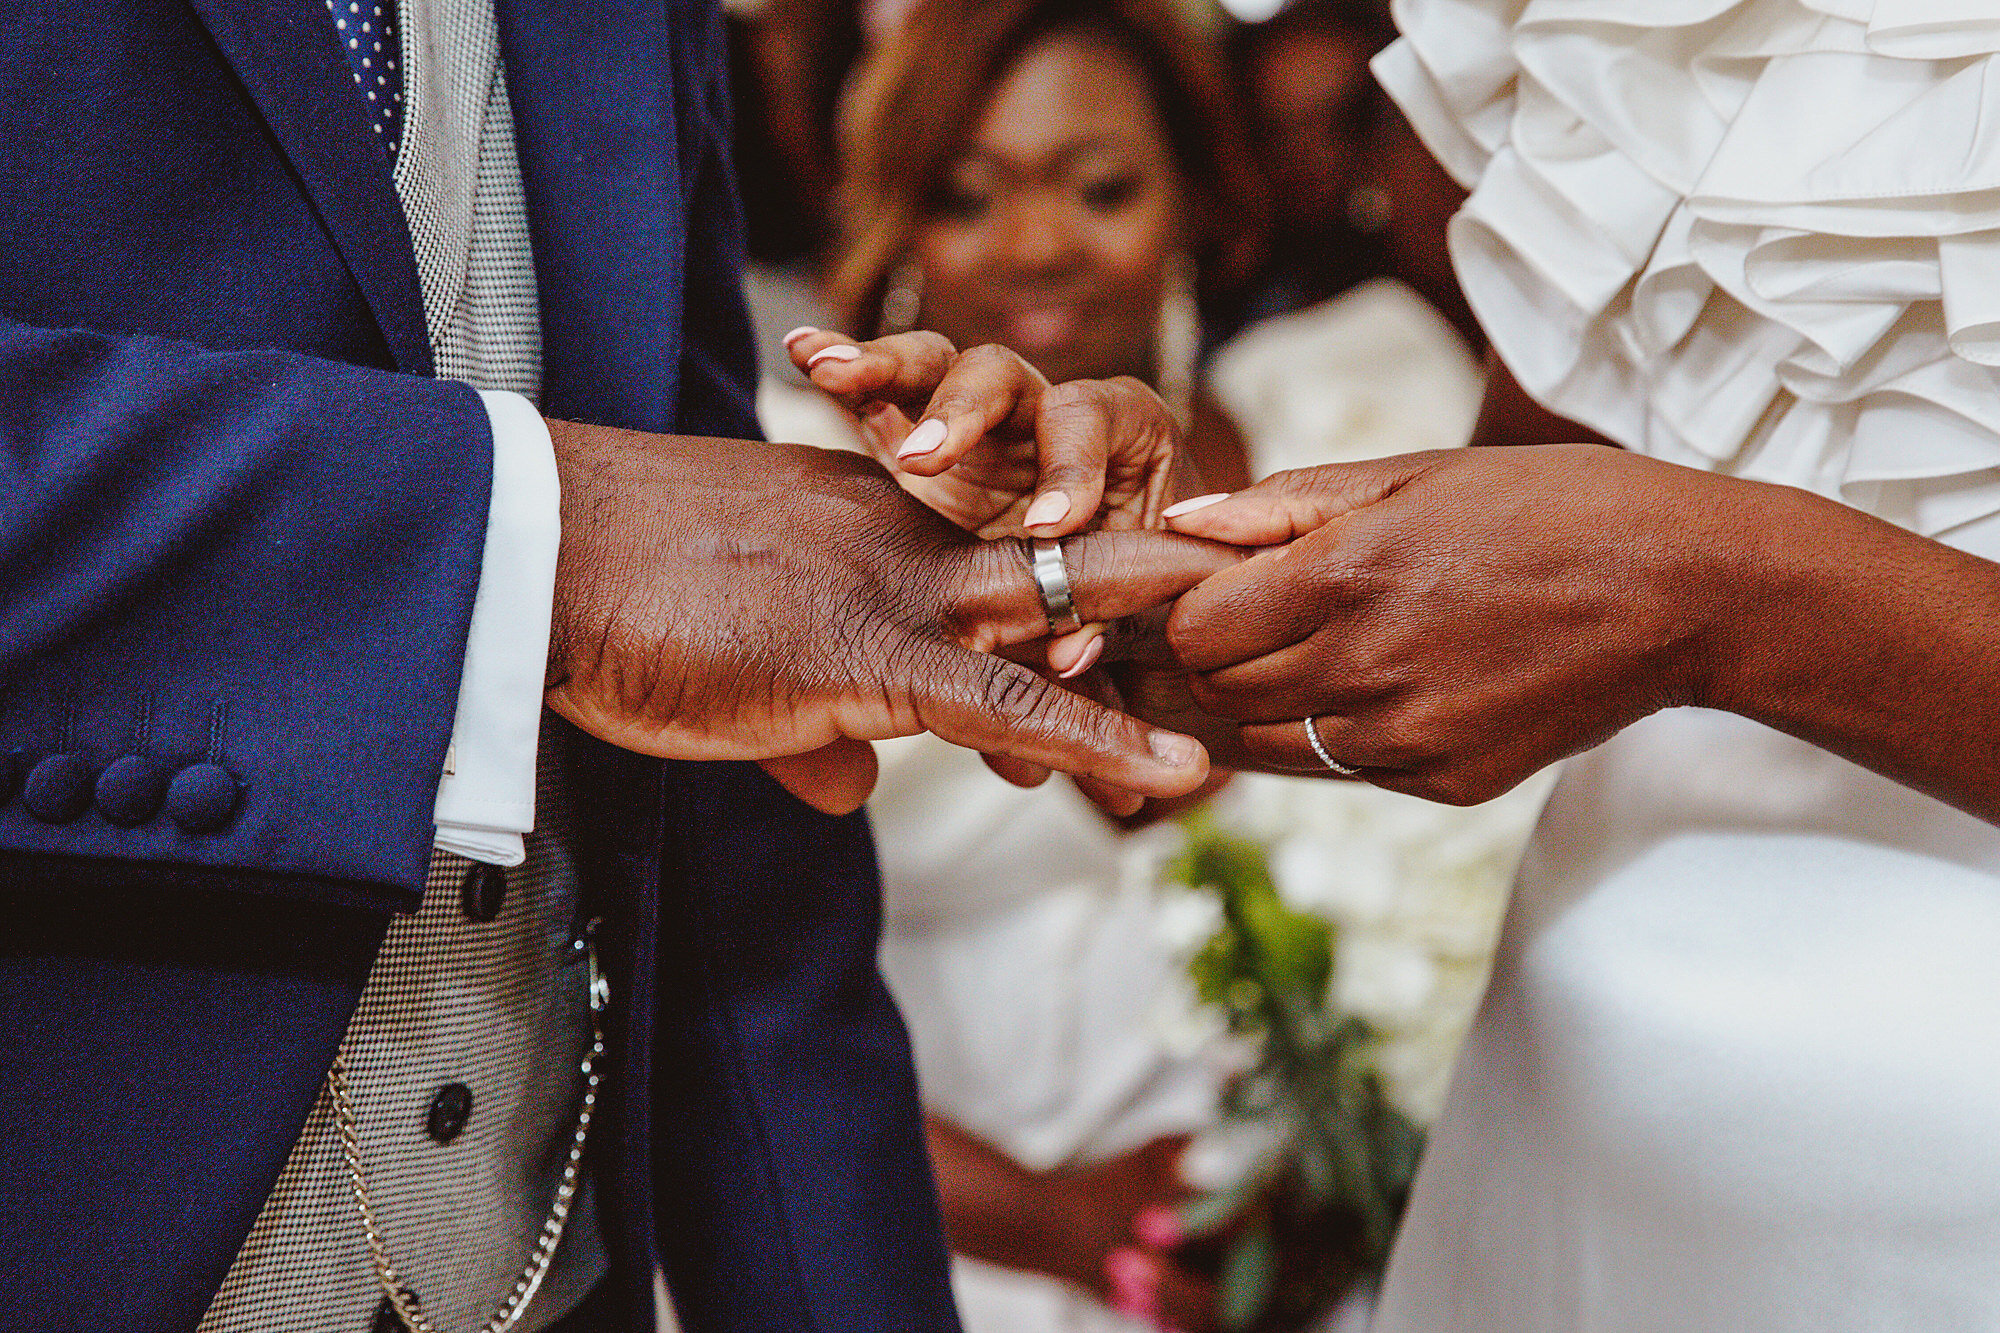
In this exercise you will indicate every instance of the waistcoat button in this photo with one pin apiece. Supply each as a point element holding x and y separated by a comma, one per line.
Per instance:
<point>483,892</point>
<point>451,1107</point>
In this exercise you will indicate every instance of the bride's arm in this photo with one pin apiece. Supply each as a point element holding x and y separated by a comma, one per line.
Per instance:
<point>1871,642</point>
<point>1458,620</point>
<point>1507,415</point>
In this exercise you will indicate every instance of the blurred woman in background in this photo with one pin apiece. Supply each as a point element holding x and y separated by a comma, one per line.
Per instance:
<point>1066,178</point>
<point>1063,178</point>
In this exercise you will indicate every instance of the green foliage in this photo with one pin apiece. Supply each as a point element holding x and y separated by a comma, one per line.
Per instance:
<point>1249,1274</point>
<point>1322,1210</point>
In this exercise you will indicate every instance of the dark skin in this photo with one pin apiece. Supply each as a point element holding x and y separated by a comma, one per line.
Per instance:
<point>1053,234</point>
<point>1064,1223</point>
<point>1057,225</point>
<point>1009,454</point>
<point>838,610</point>
<point>1052,231</point>
<point>1459,620</point>
<point>736,600</point>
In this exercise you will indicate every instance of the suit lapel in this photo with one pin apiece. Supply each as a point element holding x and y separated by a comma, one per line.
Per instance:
<point>287,56</point>
<point>592,89</point>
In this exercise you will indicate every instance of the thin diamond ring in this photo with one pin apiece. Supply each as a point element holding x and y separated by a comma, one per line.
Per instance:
<point>1319,748</point>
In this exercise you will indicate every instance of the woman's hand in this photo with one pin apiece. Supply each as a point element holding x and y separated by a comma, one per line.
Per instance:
<point>1120,1235</point>
<point>1458,620</point>
<point>1108,1227</point>
<point>981,438</point>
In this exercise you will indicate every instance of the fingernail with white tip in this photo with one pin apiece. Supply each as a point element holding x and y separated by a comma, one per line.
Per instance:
<point>802,331</point>
<point>923,440</point>
<point>1049,507</point>
<point>1174,751</point>
<point>1088,659</point>
<point>838,352</point>
<point>1189,506</point>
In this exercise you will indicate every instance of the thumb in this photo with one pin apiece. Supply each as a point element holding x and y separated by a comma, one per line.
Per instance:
<point>1288,505</point>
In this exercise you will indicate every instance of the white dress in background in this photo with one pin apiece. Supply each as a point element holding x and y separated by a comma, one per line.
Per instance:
<point>1038,966</point>
<point>1739,1066</point>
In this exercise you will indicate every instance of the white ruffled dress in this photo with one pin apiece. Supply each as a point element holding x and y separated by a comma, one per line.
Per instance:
<point>1739,1065</point>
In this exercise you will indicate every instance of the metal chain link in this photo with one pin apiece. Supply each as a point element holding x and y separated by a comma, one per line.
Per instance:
<point>405,1304</point>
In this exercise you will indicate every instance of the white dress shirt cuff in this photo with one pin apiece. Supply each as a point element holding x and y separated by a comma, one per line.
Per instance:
<point>486,799</point>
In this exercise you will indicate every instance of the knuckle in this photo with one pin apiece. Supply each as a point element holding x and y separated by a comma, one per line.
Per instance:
<point>1212,698</point>
<point>927,344</point>
<point>1184,634</point>
<point>1297,481</point>
<point>1013,692</point>
<point>1068,473</point>
<point>988,357</point>
<point>1078,397</point>
<point>1135,392</point>
<point>931,354</point>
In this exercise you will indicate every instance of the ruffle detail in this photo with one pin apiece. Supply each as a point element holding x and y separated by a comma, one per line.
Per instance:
<point>1755,236</point>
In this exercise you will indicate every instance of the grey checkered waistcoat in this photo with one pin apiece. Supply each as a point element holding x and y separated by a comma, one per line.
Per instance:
<point>465,1046</point>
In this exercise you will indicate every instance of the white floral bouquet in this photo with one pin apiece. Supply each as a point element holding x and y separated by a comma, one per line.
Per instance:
<point>1340,935</point>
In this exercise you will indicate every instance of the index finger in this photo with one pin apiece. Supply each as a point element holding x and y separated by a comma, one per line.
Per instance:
<point>984,388</point>
<point>1287,505</point>
<point>902,369</point>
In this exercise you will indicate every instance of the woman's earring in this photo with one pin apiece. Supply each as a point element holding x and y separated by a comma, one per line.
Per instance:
<point>901,300</point>
<point>1177,339</point>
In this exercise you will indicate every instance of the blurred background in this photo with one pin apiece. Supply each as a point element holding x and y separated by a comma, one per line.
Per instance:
<point>1176,1066</point>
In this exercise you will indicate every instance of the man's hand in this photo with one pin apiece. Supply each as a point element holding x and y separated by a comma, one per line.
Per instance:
<point>983,439</point>
<point>729,600</point>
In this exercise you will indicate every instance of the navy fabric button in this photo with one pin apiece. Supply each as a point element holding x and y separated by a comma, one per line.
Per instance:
<point>58,788</point>
<point>129,792</point>
<point>202,797</point>
<point>449,1110</point>
<point>11,766</point>
<point>483,892</point>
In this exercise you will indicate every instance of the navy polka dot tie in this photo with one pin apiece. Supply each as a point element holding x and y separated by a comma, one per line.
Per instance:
<point>367,31</point>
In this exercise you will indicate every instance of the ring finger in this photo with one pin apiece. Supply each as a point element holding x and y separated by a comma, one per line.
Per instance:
<point>1286,747</point>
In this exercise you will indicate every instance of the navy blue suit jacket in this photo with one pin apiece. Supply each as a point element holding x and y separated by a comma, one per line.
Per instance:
<point>240,532</point>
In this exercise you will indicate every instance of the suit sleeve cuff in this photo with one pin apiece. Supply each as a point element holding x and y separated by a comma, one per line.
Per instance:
<point>486,799</point>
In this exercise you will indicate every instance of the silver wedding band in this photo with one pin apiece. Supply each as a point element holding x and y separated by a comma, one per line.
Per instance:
<point>1052,577</point>
<point>1319,748</point>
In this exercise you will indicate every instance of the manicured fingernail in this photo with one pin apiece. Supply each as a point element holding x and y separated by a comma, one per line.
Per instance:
<point>802,331</point>
<point>923,440</point>
<point>838,352</point>
<point>1130,1266</point>
<point>1091,652</point>
<point>1049,507</point>
<point>1189,506</point>
<point>1174,751</point>
<point>1137,1305</point>
<point>1135,1281</point>
<point>1158,1226</point>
